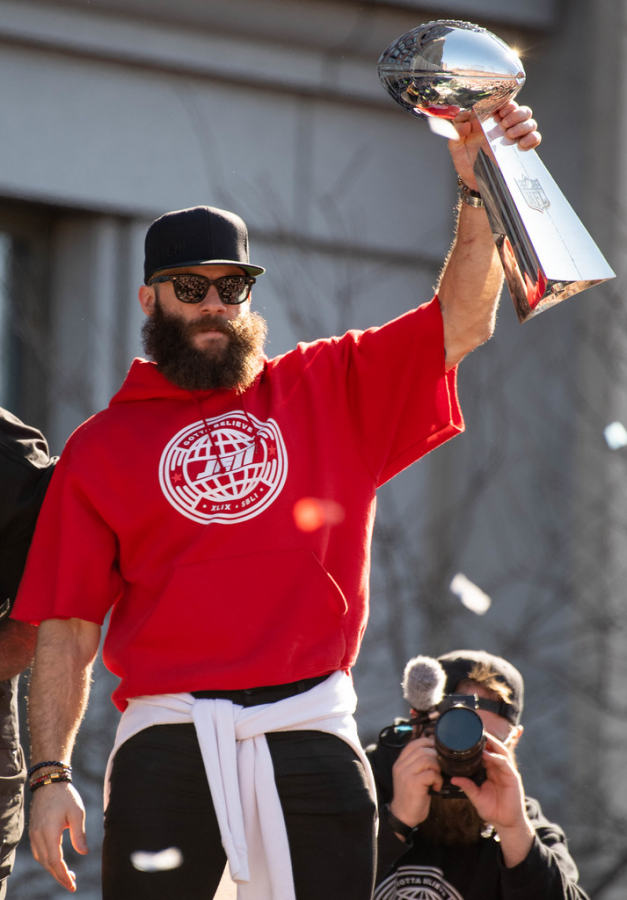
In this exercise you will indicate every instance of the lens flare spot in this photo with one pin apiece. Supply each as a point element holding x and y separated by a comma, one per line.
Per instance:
<point>311,513</point>
<point>161,861</point>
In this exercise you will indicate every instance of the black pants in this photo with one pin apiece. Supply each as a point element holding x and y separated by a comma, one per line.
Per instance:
<point>160,798</point>
<point>12,778</point>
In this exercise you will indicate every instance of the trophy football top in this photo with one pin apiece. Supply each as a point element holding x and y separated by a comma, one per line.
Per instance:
<point>447,67</point>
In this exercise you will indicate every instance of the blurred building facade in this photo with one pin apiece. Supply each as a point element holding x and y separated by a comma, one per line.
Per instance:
<point>115,111</point>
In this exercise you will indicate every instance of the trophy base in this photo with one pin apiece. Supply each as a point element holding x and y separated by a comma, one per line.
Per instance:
<point>546,252</point>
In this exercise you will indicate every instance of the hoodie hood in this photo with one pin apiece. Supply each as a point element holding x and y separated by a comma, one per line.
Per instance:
<point>145,382</point>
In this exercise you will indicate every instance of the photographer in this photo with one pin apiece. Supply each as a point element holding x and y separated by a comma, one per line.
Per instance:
<point>449,835</point>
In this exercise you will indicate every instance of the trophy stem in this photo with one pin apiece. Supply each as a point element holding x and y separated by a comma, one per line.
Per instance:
<point>546,252</point>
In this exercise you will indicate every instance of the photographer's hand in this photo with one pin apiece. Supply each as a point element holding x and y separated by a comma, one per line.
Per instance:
<point>414,772</point>
<point>500,801</point>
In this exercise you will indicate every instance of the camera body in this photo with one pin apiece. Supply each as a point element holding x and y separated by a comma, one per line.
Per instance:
<point>459,739</point>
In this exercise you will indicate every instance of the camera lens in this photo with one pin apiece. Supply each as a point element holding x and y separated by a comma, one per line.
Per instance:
<point>459,741</point>
<point>459,729</point>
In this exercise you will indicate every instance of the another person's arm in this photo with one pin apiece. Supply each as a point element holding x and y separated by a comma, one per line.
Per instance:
<point>17,647</point>
<point>472,278</point>
<point>413,773</point>
<point>535,856</point>
<point>549,872</point>
<point>25,470</point>
<point>500,801</point>
<point>66,649</point>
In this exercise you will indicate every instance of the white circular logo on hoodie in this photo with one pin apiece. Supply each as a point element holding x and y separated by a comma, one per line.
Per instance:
<point>226,469</point>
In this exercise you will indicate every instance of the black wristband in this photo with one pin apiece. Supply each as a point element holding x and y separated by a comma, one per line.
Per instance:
<point>396,825</point>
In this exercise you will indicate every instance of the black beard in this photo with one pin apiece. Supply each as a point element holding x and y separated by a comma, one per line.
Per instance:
<point>453,822</point>
<point>168,341</point>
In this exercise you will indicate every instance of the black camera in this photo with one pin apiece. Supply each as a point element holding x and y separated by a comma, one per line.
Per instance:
<point>459,739</point>
<point>459,743</point>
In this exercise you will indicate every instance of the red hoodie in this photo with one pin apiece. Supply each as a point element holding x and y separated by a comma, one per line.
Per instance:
<point>230,534</point>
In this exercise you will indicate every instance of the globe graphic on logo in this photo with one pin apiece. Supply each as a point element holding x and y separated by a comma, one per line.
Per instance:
<point>227,465</point>
<point>226,469</point>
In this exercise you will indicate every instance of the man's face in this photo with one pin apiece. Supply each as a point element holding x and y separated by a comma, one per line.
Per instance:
<point>212,305</point>
<point>206,345</point>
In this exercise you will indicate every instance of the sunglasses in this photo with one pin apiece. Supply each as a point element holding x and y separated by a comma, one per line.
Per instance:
<point>188,288</point>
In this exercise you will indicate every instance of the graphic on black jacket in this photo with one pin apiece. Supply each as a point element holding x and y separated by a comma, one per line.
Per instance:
<point>416,883</point>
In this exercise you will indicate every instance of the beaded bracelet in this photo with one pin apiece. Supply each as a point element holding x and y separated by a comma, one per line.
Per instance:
<point>55,775</point>
<point>51,778</point>
<point>469,197</point>
<point>42,765</point>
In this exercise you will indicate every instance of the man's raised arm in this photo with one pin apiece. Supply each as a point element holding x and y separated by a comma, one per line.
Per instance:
<point>472,278</point>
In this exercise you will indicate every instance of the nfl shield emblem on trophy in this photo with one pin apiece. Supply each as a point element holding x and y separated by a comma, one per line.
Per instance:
<point>534,195</point>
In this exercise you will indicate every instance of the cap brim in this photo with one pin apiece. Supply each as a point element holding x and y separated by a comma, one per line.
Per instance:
<point>247,267</point>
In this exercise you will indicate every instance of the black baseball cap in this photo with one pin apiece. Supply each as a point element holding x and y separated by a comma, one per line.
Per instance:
<point>198,236</point>
<point>459,664</point>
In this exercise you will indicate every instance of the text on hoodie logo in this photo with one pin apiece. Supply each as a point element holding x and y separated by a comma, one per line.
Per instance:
<point>226,469</point>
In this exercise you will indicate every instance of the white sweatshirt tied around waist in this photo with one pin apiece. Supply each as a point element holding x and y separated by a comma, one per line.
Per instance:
<point>239,769</point>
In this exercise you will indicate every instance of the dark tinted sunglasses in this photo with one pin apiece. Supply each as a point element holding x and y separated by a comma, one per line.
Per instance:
<point>188,288</point>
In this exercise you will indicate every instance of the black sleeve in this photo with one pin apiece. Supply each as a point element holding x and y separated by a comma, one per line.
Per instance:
<point>25,471</point>
<point>549,871</point>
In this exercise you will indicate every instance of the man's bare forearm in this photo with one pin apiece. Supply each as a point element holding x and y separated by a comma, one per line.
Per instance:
<point>472,278</point>
<point>17,647</point>
<point>470,286</point>
<point>60,683</point>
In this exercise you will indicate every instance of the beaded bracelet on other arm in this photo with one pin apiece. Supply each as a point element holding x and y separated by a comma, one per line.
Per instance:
<point>468,196</point>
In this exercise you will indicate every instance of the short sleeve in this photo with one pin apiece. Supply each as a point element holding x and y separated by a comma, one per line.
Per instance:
<point>402,400</point>
<point>72,568</point>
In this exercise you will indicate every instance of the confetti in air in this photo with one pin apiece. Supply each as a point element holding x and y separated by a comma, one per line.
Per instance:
<point>615,435</point>
<point>311,513</point>
<point>470,595</point>
<point>162,861</point>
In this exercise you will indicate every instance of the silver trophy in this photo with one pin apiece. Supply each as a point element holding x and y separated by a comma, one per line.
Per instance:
<point>445,68</point>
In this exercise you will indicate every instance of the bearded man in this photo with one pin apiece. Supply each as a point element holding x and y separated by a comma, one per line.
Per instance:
<point>233,630</point>
<point>463,837</point>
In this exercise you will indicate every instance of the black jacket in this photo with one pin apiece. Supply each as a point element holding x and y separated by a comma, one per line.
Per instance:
<point>25,470</point>
<point>420,868</point>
